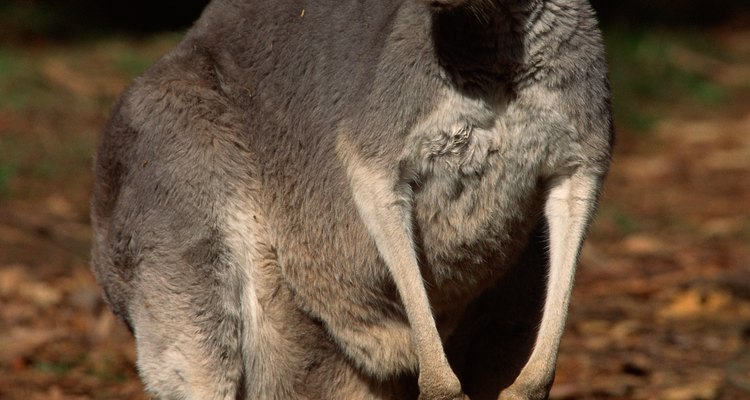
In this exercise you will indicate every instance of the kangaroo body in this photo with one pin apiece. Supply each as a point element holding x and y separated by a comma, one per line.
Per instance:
<point>275,194</point>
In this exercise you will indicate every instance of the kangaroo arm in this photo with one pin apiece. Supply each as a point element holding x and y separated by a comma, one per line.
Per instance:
<point>384,205</point>
<point>568,209</point>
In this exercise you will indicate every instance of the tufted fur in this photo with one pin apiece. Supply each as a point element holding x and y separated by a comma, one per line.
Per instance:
<point>326,199</point>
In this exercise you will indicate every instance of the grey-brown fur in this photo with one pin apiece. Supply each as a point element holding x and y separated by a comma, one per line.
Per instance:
<point>262,190</point>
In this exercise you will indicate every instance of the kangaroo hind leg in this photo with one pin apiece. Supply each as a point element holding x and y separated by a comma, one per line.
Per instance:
<point>188,328</point>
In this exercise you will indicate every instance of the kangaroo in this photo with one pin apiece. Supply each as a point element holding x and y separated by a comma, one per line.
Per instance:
<point>339,199</point>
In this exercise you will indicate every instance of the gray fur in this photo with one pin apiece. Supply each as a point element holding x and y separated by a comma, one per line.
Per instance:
<point>275,193</point>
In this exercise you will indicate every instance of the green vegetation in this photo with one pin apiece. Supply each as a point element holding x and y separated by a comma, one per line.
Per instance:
<point>54,368</point>
<point>11,151</point>
<point>626,223</point>
<point>7,172</point>
<point>106,367</point>
<point>615,220</point>
<point>54,99</point>
<point>653,72</point>
<point>20,84</point>
<point>25,17</point>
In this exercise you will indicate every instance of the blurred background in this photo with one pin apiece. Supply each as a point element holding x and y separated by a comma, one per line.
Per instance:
<point>662,304</point>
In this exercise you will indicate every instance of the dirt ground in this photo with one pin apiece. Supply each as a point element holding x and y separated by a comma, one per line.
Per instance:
<point>662,304</point>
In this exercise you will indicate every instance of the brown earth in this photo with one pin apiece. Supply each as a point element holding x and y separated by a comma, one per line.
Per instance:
<point>662,304</point>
